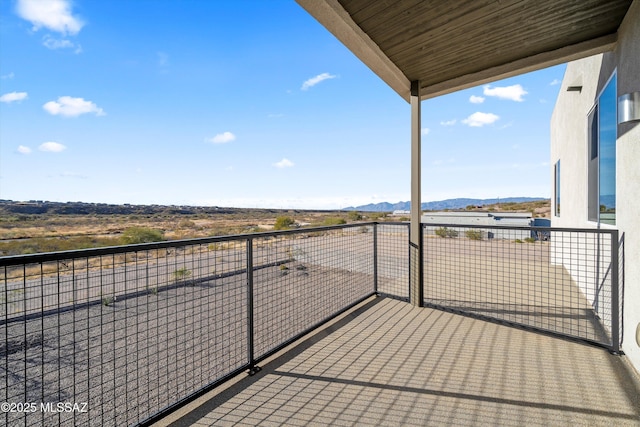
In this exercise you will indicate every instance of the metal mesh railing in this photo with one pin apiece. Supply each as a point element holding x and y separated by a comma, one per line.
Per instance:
<point>120,334</point>
<point>318,274</point>
<point>556,280</point>
<point>117,336</point>
<point>127,334</point>
<point>393,259</point>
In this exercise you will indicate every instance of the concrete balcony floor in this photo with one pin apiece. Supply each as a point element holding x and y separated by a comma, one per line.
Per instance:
<point>387,363</point>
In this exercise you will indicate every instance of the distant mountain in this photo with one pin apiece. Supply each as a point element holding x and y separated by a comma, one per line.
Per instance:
<point>439,205</point>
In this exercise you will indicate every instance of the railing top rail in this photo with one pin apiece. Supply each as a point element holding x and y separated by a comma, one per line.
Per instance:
<point>114,250</point>
<point>524,228</point>
<point>307,230</point>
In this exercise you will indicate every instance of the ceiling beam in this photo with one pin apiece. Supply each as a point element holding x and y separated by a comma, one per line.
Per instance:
<point>524,65</point>
<point>338,21</point>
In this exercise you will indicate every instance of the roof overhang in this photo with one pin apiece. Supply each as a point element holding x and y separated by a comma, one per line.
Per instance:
<point>457,44</point>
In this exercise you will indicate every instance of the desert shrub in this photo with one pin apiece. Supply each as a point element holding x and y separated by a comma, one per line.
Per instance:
<point>530,240</point>
<point>404,218</point>
<point>473,234</point>
<point>446,232</point>
<point>375,216</point>
<point>354,216</point>
<point>334,221</point>
<point>43,244</point>
<point>518,241</point>
<point>283,223</point>
<point>441,232</point>
<point>134,235</point>
<point>186,223</point>
<point>284,270</point>
<point>181,274</point>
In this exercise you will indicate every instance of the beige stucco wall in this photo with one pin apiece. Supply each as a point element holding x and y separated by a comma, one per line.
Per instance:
<point>569,144</point>
<point>569,141</point>
<point>628,179</point>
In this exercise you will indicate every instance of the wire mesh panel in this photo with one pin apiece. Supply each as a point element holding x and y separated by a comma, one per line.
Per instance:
<point>309,277</point>
<point>113,338</point>
<point>116,336</point>
<point>393,259</point>
<point>557,280</point>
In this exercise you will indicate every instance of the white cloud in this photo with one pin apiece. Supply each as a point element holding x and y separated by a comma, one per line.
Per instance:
<point>554,82</point>
<point>72,107</point>
<point>284,163</point>
<point>512,93</point>
<point>13,97</point>
<point>317,79</point>
<point>425,131</point>
<point>480,119</point>
<point>24,150</point>
<point>8,76</point>
<point>53,44</point>
<point>476,99</point>
<point>222,138</point>
<point>73,175</point>
<point>52,147</point>
<point>163,59</point>
<point>449,122</point>
<point>163,62</point>
<point>54,15</point>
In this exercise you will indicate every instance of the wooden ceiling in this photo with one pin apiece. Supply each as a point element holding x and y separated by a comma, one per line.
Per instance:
<point>450,45</point>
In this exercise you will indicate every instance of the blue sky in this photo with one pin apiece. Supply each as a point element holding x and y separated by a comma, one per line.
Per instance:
<point>240,103</point>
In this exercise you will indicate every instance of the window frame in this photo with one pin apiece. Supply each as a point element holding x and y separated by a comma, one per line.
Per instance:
<point>556,186</point>
<point>594,154</point>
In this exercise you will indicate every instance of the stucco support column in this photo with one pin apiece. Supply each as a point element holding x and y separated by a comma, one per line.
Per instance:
<point>416,291</point>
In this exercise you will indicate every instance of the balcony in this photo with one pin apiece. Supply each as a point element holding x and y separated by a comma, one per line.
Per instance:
<point>512,330</point>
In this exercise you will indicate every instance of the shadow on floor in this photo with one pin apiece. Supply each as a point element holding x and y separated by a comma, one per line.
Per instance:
<point>389,363</point>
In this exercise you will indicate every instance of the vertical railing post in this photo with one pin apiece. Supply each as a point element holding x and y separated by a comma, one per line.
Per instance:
<point>375,258</point>
<point>615,294</point>
<point>416,276</point>
<point>253,368</point>
<point>415,234</point>
<point>409,252</point>
<point>421,261</point>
